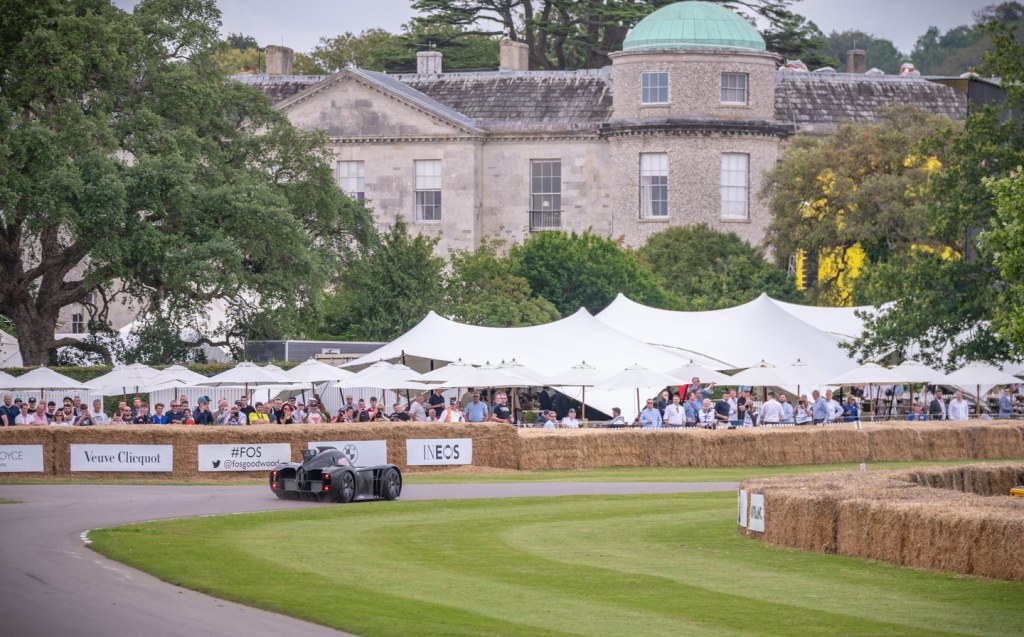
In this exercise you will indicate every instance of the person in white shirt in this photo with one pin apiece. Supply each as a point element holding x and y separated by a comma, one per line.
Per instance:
<point>675,415</point>
<point>771,412</point>
<point>802,414</point>
<point>706,415</point>
<point>958,408</point>
<point>570,422</point>
<point>452,414</point>
<point>97,415</point>
<point>550,419</point>
<point>416,410</point>
<point>25,417</point>
<point>835,410</point>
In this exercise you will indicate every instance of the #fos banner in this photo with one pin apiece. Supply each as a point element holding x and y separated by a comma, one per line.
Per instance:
<point>243,457</point>
<point>361,453</point>
<point>439,451</point>
<point>21,458</point>
<point>757,512</point>
<point>122,457</point>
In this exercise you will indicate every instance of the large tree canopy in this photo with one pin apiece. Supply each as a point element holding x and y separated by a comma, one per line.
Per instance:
<point>709,270</point>
<point>127,156</point>
<point>567,34</point>
<point>854,196</point>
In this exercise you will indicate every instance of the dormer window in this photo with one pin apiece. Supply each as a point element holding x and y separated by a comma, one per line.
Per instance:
<point>654,88</point>
<point>734,88</point>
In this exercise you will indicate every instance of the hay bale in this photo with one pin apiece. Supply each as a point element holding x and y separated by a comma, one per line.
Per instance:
<point>672,448</point>
<point>894,443</point>
<point>993,442</point>
<point>31,436</point>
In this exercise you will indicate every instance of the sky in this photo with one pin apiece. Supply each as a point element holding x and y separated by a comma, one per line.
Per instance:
<point>300,24</point>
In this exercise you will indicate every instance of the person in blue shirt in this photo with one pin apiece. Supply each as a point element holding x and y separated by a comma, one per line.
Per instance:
<point>476,410</point>
<point>1005,403</point>
<point>159,417</point>
<point>650,417</point>
<point>917,414</point>
<point>787,410</point>
<point>819,408</point>
<point>851,412</point>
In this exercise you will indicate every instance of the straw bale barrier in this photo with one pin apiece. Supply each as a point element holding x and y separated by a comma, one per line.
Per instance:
<point>504,447</point>
<point>958,519</point>
<point>746,447</point>
<point>493,446</point>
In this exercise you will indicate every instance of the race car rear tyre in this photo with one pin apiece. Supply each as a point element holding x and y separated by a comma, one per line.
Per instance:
<point>346,487</point>
<point>392,484</point>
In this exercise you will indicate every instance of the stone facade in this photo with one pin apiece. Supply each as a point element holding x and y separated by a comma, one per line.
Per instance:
<point>492,130</point>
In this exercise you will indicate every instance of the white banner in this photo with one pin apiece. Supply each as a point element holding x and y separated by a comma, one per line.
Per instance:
<point>757,512</point>
<point>243,457</point>
<point>439,451</point>
<point>742,504</point>
<point>122,457</point>
<point>21,458</point>
<point>361,453</point>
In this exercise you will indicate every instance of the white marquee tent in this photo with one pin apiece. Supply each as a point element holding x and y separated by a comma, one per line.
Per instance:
<point>547,349</point>
<point>733,338</point>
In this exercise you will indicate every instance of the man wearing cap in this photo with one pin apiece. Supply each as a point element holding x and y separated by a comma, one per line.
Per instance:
<point>452,414</point>
<point>202,415</point>
<point>550,419</point>
<point>314,416</point>
<point>476,409</point>
<point>9,411</point>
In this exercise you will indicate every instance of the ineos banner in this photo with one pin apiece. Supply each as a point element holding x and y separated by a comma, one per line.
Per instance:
<point>243,457</point>
<point>757,512</point>
<point>361,453</point>
<point>439,451</point>
<point>21,458</point>
<point>122,457</point>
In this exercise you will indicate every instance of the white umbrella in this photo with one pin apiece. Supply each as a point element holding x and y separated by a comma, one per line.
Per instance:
<point>246,374</point>
<point>6,379</point>
<point>442,374</point>
<point>581,376</point>
<point>42,379</point>
<point>314,371</point>
<point>524,371</point>
<point>637,377</point>
<point>120,379</point>
<point>976,375</point>
<point>174,377</point>
<point>488,376</point>
<point>692,370</point>
<point>868,374</point>
<point>384,376</point>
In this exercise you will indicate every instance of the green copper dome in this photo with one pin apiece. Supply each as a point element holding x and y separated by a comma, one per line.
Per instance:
<point>693,25</point>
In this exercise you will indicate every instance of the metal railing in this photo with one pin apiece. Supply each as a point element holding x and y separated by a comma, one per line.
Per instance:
<point>545,220</point>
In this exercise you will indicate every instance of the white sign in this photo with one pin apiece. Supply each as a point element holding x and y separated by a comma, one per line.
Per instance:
<point>742,504</point>
<point>439,451</point>
<point>757,512</point>
<point>21,458</point>
<point>122,457</point>
<point>243,457</point>
<point>361,453</point>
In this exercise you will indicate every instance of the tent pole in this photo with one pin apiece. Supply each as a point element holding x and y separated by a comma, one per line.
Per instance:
<point>584,387</point>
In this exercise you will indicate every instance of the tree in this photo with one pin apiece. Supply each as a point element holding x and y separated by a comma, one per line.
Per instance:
<point>955,311</point>
<point>131,167</point>
<point>709,270</point>
<point>795,38</point>
<point>962,48</point>
<point>379,50</point>
<point>584,270</point>
<point>388,289</point>
<point>881,53</point>
<point>567,34</point>
<point>481,289</point>
<point>854,196</point>
<point>1006,240</point>
<point>372,49</point>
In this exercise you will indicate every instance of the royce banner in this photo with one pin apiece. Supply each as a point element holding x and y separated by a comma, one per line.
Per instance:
<point>122,457</point>
<point>21,458</point>
<point>243,457</point>
<point>439,451</point>
<point>361,453</point>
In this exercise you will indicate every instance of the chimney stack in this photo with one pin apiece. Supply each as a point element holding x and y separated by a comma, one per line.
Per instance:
<point>279,60</point>
<point>428,63</point>
<point>514,56</point>
<point>856,61</point>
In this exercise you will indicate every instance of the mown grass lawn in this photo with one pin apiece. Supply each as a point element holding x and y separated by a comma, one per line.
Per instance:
<point>636,565</point>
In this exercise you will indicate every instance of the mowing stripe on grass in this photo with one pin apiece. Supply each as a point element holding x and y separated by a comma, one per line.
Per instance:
<point>651,565</point>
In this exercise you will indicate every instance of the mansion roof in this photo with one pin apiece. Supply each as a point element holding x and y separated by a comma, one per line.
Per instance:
<point>539,100</point>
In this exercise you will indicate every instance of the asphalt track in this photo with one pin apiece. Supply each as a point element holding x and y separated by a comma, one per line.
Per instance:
<point>52,584</point>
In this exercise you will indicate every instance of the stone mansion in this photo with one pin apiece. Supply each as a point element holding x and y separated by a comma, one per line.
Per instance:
<point>679,130</point>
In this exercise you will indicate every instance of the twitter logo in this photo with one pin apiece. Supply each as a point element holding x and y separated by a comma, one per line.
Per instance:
<point>216,463</point>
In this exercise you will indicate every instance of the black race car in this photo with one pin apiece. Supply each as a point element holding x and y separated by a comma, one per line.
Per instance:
<point>326,474</point>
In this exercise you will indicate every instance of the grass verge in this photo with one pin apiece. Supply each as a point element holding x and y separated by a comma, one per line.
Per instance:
<point>650,565</point>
